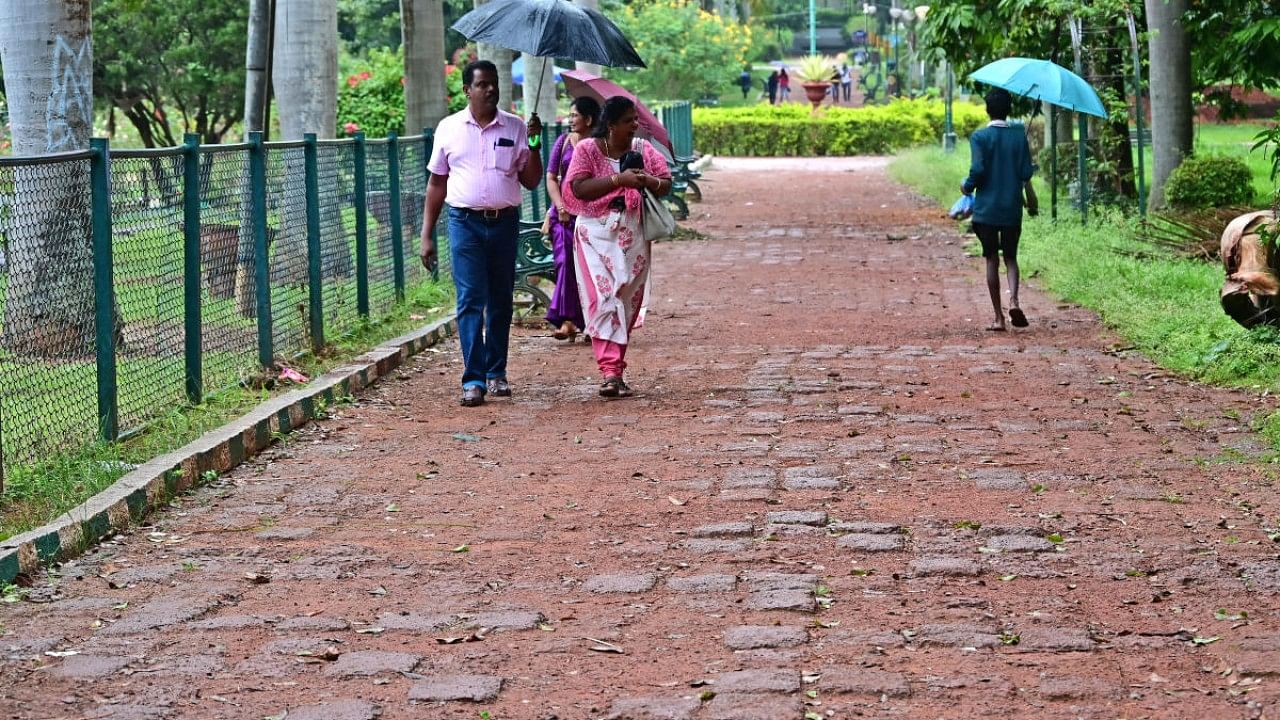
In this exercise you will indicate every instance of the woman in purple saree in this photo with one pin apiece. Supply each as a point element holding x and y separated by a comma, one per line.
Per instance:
<point>565,313</point>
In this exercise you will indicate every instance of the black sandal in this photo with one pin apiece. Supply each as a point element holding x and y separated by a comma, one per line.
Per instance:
<point>611,387</point>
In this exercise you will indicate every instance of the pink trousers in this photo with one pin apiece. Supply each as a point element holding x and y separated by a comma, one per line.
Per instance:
<point>610,357</point>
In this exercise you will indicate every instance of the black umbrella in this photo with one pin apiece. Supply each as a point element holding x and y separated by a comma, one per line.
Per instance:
<point>550,28</point>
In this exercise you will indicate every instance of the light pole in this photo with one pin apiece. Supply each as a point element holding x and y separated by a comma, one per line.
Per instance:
<point>867,10</point>
<point>896,13</point>
<point>921,12</point>
<point>948,128</point>
<point>907,19</point>
<point>813,27</point>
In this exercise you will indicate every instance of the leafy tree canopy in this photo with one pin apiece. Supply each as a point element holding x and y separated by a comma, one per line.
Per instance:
<point>1235,42</point>
<point>690,52</point>
<point>172,67</point>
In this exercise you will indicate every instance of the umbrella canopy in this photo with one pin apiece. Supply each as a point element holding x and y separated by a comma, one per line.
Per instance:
<point>550,28</point>
<point>517,71</point>
<point>1044,81</point>
<point>578,83</point>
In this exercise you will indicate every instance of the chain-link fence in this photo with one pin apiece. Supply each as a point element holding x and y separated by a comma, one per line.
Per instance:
<point>132,281</point>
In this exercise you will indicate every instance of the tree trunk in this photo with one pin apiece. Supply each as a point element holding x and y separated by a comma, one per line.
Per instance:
<point>1115,137</point>
<point>426,99</point>
<point>500,57</point>
<point>1172,114</point>
<point>257,68</point>
<point>540,88</point>
<point>305,78</point>
<point>587,67</point>
<point>47,54</point>
<point>255,64</point>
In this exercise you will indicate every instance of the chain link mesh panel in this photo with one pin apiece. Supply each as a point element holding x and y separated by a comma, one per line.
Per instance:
<point>287,217</point>
<point>413,188</point>
<point>147,249</point>
<point>382,288</point>
<point>335,164</point>
<point>48,386</point>
<point>228,324</point>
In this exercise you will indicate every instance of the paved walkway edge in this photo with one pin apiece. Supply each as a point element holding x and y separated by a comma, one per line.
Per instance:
<point>151,485</point>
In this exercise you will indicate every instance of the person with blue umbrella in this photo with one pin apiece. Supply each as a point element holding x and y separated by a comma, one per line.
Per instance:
<point>999,173</point>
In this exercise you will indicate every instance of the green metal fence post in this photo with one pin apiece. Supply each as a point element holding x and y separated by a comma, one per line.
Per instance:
<point>261,273</point>
<point>362,229</point>
<point>397,229</point>
<point>104,291</point>
<point>315,284</point>
<point>191,310</point>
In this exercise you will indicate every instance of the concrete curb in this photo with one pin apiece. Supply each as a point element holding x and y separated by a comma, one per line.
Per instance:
<point>150,486</point>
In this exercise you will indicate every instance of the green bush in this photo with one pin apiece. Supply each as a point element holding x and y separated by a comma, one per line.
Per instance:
<point>1210,181</point>
<point>793,130</point>
<point>372,99</point>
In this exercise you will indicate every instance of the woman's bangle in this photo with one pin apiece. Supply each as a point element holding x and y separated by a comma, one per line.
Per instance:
<point>614,179</point>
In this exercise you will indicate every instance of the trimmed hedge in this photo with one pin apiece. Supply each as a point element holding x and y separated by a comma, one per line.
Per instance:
<point>793,130</point>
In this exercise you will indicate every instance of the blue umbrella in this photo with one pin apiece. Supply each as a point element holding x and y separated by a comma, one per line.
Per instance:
<point>1042,80</point>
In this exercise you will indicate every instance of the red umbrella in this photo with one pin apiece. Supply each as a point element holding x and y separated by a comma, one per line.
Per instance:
<point>578,83</point>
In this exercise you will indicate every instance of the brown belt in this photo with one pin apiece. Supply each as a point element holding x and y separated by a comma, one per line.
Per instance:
<point>488,214</point>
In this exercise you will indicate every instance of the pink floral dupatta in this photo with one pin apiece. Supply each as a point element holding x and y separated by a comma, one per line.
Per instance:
<point>612,256</point>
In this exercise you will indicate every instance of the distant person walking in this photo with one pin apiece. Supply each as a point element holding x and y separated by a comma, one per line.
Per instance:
<point>999,173</point>
<point>784,85</point>
<point>846,82</point>
<point>744,81</point>
<point>835,85</point>
<point>565,312</point>
<point>871,82</point>
<point>771,87</point>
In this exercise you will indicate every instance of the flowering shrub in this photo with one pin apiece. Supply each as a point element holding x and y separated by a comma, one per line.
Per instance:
<point>690,52</point>
<point>372,99</point>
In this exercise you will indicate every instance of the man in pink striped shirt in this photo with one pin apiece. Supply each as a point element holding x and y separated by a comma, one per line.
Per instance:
<point>480,159</point>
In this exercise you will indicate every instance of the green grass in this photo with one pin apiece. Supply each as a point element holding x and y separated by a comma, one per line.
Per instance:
<point>36,493</point>
<point>1167,307</point>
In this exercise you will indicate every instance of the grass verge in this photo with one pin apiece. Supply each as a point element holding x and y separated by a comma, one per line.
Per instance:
<point>36,494</point>
<point>1167,307</point>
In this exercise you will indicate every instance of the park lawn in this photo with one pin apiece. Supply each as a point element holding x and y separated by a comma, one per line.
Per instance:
<point>1166,306</point>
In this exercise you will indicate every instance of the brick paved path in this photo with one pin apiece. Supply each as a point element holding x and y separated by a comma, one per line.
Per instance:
<point>836,495</point>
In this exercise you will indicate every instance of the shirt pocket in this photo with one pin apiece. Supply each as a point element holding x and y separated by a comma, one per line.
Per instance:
<point>504,158</point>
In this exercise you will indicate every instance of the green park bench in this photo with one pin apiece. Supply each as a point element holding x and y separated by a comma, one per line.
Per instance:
<point>677,118</point>
<point>1146,136</point>
<point>534,261</point>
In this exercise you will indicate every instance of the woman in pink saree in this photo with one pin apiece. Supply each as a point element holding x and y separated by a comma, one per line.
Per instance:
<point>610,251</point>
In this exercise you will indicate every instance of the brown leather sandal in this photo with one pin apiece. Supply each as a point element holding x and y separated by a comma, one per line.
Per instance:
<point>611,387</point>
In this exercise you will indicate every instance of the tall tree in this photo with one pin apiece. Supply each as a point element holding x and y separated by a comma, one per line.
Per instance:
<point>172,67</point>
<point>501,57</point>
<point>46,50</point>
<point>305,78</point>
<point>539,89</point>
<point>1172,114</point>
<point>592,68</point>
<point>256,57</point>
<point>425,97</point>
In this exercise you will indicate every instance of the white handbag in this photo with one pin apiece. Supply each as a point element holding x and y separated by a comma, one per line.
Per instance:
<point>655,219</point>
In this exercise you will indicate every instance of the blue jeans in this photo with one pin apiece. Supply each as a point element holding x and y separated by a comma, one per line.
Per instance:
<point>484,272</point>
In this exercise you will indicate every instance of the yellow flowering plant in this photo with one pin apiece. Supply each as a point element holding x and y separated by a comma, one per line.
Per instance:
<point>690,52</point>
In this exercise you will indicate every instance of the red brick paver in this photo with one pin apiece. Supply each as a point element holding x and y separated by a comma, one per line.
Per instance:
<point>834,495</point>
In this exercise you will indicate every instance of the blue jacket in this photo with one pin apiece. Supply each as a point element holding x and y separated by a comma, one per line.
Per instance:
<point>1001,163</point>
